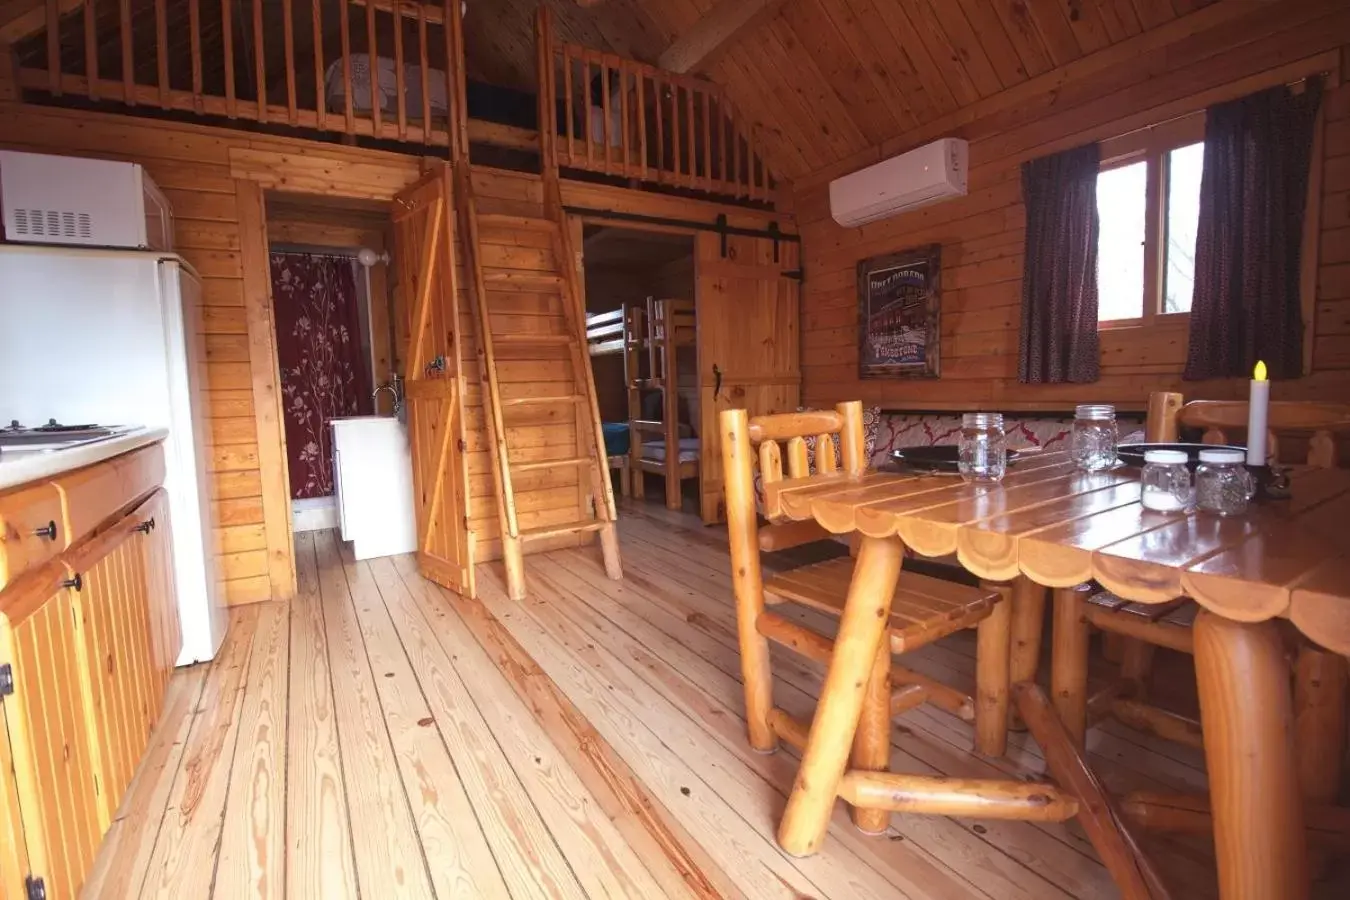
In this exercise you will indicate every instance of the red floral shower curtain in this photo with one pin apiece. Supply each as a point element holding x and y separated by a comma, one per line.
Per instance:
<point>323,374</point>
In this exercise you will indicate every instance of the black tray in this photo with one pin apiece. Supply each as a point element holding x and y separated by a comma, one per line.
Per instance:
<point>1133,454</point>
<point>941,458</point>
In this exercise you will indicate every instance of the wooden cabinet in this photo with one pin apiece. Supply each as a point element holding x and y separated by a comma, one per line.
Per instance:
<point>88,640</point>
<point>32,530</point>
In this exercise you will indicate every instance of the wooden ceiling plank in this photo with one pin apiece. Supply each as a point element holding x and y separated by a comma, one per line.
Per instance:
<point>850,18</point>
<point>902,30</point>
<point>1052,22</point>
<point>846,76</point>
<point>791,151</point>
<point>942,53</point>
<point>721,27</point>
<point>1026,39</point>
<point>1088,26</point>
<point>994,39</point>
<point>798,70</point>
<point>1125,14</point>
<point>952,19</point>
<point>911,93</point>
<point>1153,13</point>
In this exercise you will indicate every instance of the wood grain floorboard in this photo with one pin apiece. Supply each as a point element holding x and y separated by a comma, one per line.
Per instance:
<point>381,737</point>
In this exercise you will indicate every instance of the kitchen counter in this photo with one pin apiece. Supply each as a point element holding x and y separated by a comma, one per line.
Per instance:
<point>22,466</point>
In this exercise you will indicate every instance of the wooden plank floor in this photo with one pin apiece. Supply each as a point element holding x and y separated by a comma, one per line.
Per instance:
<point>380,737</point>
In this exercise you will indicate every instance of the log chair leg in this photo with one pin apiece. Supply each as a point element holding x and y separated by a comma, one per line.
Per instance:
<point>991,676</point>
<point>872,741</point>
<point>862,629</point>
<point>747,579</point>
<point>1248,723</point>
<point>1028,622</point>
<point>1069,662</point>
<point>1319,723</point>
<point>1136,667</point>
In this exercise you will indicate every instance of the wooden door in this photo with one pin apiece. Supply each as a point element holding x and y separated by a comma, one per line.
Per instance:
<point>49,732</point>
<point>749,353</point>
<point>424,269</point>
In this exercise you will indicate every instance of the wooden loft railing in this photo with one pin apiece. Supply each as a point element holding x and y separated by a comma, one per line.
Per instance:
<point>302,63</point>
<point>603,113</point>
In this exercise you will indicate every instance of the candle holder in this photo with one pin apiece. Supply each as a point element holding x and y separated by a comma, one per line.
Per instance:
<point>1272,483</point>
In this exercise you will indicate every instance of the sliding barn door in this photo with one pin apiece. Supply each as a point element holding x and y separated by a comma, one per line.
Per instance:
<point>425,271</point>
<point>749,354</point>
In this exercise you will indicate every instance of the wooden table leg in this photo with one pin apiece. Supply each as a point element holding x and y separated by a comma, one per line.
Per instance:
<point>991,677</point>
<point>872,741</point>
<point>1028,623</point>
<point>862,628</point>
<point>1069,662</point>
<point>1248,722</point>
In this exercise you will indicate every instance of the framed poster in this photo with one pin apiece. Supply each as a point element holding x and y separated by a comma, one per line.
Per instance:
<point>899,314</point>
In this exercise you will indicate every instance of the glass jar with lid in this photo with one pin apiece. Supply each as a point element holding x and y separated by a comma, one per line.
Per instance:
<point>1166,481</point>
<point>983,451</point>
<point>1222,483</point>
<point>1093,446</point>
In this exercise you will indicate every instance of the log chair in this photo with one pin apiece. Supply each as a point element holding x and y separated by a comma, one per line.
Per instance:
<point>846,746</point>
<point>1320,718</point>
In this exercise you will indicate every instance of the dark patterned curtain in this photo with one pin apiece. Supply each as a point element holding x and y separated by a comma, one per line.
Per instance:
<point>323,374</point>
<point>1252,197</point>
<point>1059,279</point>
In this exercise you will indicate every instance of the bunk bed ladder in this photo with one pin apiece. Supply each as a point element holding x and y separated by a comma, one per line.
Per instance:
<point>587,454</point>
<point>652,328</point>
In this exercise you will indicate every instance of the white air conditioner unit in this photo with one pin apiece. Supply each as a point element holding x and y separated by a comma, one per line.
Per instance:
<point>931,173</point>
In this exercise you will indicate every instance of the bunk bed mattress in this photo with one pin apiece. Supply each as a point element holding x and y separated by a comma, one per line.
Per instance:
<point>386,87</point>
<point>656,450</point>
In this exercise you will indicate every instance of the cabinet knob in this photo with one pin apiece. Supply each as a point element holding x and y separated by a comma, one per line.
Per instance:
<point>76,582</point>
<point>48,532</point>
<point>147,526</point>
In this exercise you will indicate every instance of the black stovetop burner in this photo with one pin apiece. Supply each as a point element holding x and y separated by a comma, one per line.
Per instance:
<point>14,434</point>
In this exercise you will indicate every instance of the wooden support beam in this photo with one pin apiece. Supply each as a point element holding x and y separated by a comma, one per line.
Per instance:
<point>1328,827</point>
<point>1098,816</point>
<point>719,28</point>
<point>977,798</point>
<point>940,695</point>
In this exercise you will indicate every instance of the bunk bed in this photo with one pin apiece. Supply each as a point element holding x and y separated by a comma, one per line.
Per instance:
<point>651,336</point>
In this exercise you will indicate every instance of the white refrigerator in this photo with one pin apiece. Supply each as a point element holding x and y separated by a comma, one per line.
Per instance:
<point>114,337</point>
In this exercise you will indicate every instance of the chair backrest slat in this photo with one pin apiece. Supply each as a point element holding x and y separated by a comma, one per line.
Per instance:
<point>1222,420</point>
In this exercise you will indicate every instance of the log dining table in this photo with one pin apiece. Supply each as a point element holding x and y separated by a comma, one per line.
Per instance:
<point>1052,526</point>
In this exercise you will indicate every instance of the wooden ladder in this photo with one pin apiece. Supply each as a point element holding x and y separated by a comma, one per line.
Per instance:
<point>546,281</point>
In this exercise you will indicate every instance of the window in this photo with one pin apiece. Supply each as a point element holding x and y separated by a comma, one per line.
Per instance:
<point>1148,207</point>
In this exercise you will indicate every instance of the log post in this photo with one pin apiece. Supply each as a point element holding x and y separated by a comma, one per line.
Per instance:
<point>975,798</point>
<point>862,628</point>
<point>1068,666</point>
<point>991,675</point>
<point>1136,667</point>
<point>747,580</point>
<point>1248,721</point>
<point>1319,723</point>
<point>1028,621</point>
<point>872,741</point>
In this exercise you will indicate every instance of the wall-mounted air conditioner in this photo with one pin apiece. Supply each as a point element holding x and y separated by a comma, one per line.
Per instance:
<point>931,173</point>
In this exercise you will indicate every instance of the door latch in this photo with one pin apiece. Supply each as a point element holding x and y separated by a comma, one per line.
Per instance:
<point>436,365</point>
<point>717,381</point>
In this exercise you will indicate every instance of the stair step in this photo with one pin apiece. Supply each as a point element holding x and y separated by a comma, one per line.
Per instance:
<point>526,282</point>
<point>565,398</point>
<point>550,463</point>
<point>528,338</point>
<point>565,528</point>
<point>502,220</point>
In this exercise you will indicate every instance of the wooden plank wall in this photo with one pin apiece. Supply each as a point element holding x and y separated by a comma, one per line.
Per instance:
<point>982,235</point>
<point>204,172</point>
<point>199,168</point>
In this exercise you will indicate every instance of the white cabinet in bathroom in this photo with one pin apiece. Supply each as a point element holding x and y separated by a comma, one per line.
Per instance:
<point>372,471</point>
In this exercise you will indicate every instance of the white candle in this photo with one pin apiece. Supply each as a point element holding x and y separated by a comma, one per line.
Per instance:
<point>1258,406</point>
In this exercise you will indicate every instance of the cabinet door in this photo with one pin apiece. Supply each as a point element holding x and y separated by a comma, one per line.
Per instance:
<point>124,689</point>
<point>166,634</point>
<point>48,737</point>
<point>13,850</point>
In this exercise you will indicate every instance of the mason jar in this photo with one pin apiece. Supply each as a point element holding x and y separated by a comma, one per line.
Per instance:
<point>1093,447</point>
<point>1165,481</point>
<point>1222,483</point>
<point>983,452</point>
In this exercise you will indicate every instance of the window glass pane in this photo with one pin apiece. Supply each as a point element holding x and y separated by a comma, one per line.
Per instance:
<point>1184,166</point>
<point>1120,243</point>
